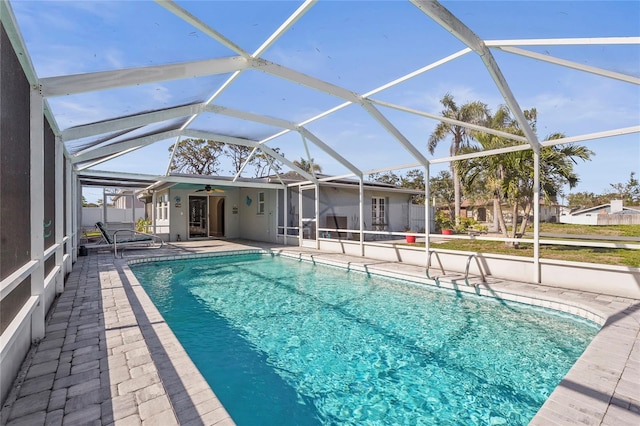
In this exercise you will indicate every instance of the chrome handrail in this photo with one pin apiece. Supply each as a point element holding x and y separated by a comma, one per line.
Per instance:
<point>429,264</point>
<point>466,271</point>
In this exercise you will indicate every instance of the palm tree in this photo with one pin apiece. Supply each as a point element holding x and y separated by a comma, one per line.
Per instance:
<point>308,166</point>
<point>474,113</point>
<point>509,177</point>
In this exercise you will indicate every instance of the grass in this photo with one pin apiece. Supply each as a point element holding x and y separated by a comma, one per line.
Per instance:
<point>609,230</point>
<point>609,256</point>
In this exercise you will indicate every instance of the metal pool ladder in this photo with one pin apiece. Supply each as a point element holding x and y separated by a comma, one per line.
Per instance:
<point>429,264</point>
<point>466,270</point>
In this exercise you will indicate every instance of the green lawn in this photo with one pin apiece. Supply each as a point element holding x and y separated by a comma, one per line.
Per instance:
<point>610,256</point>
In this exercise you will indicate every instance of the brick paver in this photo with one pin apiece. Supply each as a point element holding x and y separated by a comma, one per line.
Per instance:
<point>109,358</point>
<point>94,365</point>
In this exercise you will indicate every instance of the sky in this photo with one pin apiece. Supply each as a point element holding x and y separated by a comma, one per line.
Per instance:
<point>357,45</point>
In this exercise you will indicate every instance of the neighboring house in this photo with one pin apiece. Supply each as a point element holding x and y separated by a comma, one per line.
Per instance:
<point>125,199</point>
<point>613,213</point>
<point>482,211</point>
<point>259,209</point>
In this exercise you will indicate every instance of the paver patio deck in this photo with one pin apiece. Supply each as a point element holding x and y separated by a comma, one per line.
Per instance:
<point>108,357</point>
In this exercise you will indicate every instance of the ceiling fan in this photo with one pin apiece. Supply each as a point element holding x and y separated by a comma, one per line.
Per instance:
<point>209,189</point>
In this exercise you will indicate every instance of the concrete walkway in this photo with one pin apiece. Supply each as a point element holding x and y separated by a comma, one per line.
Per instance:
<point>109,358</point>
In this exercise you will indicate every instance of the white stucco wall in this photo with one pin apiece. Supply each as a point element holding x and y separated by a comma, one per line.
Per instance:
<point>252,224</point>
<point>606,279</point>
<point>243,220</point>
<point>345,202</point>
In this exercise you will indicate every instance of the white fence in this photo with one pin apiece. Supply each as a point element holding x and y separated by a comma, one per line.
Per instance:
<point>602,219</point>
<point>91,215</point>
<point>417,220</point>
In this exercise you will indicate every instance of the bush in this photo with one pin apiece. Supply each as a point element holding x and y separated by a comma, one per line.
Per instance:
<point>142,225</point>
<point>469,224</point>
<point>443,221</point>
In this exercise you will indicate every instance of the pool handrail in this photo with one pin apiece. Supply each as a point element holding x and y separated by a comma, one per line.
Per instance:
<point>429,264</point>
<point>466,270</point>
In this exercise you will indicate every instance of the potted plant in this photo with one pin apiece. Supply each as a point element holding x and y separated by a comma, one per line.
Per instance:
<point>444,222</point>
<point>411,239</point>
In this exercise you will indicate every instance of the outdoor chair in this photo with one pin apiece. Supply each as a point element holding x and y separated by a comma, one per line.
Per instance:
<point>127,238</point>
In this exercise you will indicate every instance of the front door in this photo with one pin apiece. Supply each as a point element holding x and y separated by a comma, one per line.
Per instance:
<point>198,214</point>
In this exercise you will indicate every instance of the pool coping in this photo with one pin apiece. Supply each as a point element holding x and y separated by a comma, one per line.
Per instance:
<point>105,317</point>
<point>600,388</point>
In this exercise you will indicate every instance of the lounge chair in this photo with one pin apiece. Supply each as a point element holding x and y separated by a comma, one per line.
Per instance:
<point>127,238</point>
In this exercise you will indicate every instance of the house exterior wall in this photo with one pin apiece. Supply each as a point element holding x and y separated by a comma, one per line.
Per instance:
<point>125,201</point>
<point>547,213</point>
<point>178,222</point>
<point>344,202</point>
<point>244,218</point>
<point>255,223</point>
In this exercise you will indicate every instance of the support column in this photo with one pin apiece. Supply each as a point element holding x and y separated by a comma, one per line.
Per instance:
<point>37,211</point>
<point>300,236</point>
<point>69,216</point>
<point>133,209</point>
<point>154,214</point>
<point>536,216</point>
<point>427,210</point>
<point>104,207</point>
<point>76,197</point>
<point>316,215</point>
<point>59,212</point>
<point>285,214</point>
<point>361,202</point>
<point>276,218</point>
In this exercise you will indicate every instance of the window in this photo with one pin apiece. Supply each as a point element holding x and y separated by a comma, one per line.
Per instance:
<point>162,208</point>
<point>378,212</point>
<point>260,202</point>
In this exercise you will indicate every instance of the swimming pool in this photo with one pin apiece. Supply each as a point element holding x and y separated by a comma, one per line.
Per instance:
<point>287,342</point>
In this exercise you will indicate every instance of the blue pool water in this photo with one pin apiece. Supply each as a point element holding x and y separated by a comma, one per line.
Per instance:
<point>291,343</point>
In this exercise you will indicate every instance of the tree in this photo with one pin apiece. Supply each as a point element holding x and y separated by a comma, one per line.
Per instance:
<point>628,191</point>
<point>239,154</point>
<point>442,191</point>
<point>85,203</point>
<point>265,164</point>
<point>582,200</point>
<point>414,179</point>
<point>197,156</point>
<point>473,113</point>
<point>308,166</point>
<point>389,178</point>
<point>509,177</point>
